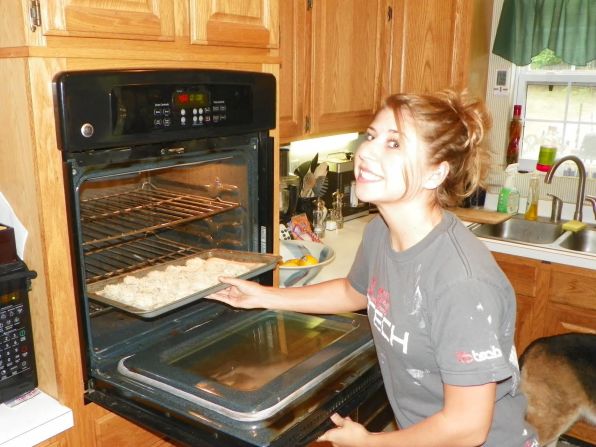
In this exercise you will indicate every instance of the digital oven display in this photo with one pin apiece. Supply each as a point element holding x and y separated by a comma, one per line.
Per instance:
<point>191,99</point>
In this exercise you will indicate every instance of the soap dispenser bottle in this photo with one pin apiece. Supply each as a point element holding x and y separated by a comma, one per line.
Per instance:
<point>509,195</point>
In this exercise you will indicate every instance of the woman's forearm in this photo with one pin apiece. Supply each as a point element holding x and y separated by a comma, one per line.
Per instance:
<point>329,297</point>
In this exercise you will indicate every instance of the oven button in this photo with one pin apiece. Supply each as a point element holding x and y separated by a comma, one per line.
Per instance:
<point>87,130</point>
<point>182,112</point>
<point>166,112</point>
<point>183,121</point>
<point>157,123</point>
<point>167,122</point>
<point>157,111</point>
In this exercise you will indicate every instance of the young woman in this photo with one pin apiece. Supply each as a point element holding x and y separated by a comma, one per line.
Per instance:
<point>442,313</point>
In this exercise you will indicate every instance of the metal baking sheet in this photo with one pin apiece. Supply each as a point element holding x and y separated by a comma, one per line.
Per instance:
<point>267,262</point>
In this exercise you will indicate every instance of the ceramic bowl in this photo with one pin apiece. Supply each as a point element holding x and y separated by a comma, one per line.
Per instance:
<point>303,275</point>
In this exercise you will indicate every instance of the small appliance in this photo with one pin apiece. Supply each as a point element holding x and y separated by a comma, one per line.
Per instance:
<point>341,178</point>
<point>17,359</point>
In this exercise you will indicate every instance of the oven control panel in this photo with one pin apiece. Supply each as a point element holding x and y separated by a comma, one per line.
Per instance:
<point>146,108</point>
<point>17,363</point>
<point>125,108</point>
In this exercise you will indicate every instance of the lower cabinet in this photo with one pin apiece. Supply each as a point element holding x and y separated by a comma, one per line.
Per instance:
<point>552,299</point>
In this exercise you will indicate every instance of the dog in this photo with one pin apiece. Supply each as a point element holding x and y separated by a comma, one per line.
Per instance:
<point>558,378</point>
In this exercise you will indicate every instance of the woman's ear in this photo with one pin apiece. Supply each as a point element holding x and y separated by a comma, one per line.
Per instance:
<point>436,176</point>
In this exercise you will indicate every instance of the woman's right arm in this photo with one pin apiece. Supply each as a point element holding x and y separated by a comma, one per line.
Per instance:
<point>329,297</point>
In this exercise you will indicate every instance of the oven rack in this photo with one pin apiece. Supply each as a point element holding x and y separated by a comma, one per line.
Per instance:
<point>132,255</point>
<point>142,210</point>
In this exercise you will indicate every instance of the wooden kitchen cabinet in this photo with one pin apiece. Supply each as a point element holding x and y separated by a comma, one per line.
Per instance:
<point>247,23</point>
<point>430,45</point>
<point>115,19</point>
<point>340,58</point>
<point>552,299</point>
<point>332,52</point>
<point>230,27</point>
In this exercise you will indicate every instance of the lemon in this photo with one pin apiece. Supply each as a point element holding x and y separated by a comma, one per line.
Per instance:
<point>308,260</point>
<point>291,263</point>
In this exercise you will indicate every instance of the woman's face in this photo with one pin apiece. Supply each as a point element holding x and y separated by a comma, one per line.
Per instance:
<point>384,157</point>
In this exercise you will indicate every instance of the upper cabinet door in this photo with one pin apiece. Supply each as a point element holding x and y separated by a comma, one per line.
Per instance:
<point>431,45</point>
<point>294,49</point>
<point>348,45</point>
<point>117,19</point>
<point>246,23</point>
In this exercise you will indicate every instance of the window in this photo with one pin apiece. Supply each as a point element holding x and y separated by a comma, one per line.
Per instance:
<point>561,99</point>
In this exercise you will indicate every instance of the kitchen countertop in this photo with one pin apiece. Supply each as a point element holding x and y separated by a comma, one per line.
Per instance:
<point>345,242</point>
<point>33,421</point>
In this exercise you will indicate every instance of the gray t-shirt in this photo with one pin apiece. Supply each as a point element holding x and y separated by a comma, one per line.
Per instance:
<point>442,312</point>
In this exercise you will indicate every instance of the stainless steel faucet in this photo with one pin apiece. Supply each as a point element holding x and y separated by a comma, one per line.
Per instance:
<point>592,200</point>
<point>581,188</point>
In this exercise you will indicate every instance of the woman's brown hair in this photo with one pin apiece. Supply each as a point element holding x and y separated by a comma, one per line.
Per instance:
<point>452,125</point>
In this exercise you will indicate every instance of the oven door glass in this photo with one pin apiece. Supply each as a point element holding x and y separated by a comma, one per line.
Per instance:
<point>254,367</point>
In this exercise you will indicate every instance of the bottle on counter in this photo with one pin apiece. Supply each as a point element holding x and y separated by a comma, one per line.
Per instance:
<point>319,215</point>
<point>336,209</point>
<point>533,195</point>
<point>509,195</point>
<point>548,150</point>
<point>515,133</point>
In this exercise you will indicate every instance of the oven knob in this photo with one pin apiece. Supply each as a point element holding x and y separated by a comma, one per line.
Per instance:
<point>87,130</point>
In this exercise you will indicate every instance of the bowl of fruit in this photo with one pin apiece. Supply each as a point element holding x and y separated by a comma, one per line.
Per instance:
<point>302,261</point>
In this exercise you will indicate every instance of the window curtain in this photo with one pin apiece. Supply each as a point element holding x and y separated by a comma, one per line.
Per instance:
<point>567,27</point>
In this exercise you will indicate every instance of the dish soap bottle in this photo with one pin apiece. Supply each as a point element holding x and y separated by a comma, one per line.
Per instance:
<point>509,195</point>
<point>533,194</point>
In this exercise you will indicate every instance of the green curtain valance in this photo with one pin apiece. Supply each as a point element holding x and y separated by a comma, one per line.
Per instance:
<point>567,27</point>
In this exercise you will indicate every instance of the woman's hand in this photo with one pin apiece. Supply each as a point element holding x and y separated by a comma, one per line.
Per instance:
<point>346,434</point>
<point>241,293</point>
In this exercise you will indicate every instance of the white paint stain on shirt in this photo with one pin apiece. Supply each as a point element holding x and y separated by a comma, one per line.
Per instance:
<point>417,374</point>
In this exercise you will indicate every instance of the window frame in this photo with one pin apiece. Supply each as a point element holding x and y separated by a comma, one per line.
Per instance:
<point>525,76</point>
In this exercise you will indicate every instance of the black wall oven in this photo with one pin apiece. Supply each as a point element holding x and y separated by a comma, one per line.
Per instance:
<point>169,179</point>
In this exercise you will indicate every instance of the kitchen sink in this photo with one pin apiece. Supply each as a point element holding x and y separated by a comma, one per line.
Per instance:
<point>520,230</point>
<point>584,241</point>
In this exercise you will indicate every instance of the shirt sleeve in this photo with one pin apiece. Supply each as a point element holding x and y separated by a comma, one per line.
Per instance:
<point>467,321</point>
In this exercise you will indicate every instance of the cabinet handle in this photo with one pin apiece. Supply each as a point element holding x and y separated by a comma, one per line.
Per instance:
<point>389,13</point>
<point>307,124</point>
<point>309,5</point>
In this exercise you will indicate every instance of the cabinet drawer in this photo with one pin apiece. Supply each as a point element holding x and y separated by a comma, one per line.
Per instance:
<point>573,286</point>
<point>521,272</point>
<point>562,319</point>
